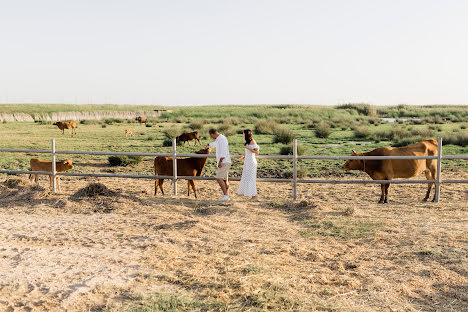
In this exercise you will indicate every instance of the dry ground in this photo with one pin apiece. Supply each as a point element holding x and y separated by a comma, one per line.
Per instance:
<point>335,250</point>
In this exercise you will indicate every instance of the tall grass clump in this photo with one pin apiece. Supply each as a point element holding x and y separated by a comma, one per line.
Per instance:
<point>288,150</point>
<point>265,127</point>
<point>361,132</point>
<point>124,161</point>
<point>460,139</point>
<point>323,130</point>
<point>360,108</point>
<point>197,125</point>
<point>283,135</point>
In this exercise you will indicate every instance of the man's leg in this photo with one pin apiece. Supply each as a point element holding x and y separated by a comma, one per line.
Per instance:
<point>223,186</point>
<point>227,187</point>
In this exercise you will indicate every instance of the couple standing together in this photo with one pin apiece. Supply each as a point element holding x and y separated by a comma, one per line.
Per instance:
<point>248,183</point>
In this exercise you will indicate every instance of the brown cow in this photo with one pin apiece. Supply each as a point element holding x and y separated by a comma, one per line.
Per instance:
<point>185,167</point>
<point>388,169</point>
<point>141,119</point>
<point>129,132</point>
<point>62,125</point>
<point>187,137</point>
<point>43,165</point>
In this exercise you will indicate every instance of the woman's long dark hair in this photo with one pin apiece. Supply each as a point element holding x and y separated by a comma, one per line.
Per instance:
<point>248,136</point>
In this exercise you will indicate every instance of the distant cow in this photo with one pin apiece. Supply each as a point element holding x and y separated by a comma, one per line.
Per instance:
<point>43,165</point>
<point>187,137</point>
<point>185,167</point>
<point>141,119</point>
<point>62,125</point>
<point>129,132</point>
<point>388,169</point>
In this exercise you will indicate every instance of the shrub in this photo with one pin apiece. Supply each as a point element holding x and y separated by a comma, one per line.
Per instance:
<point>361,132</point>
<point>148,125</point>
<point>265,127</point>
<point>283,135</point>
<point>422,132</point>
<point>167,142</point>
<point>360,108</point>
<point>288,150</point>
<point>123,161</point>
<point>111,121</point>
<point>104,126</point>
<point>89,122</point>
<point>172,133</point>
<point>302,172</point>
<point>460,139</point>
<point>323,130</point>
<point>197,124</point>
<point>226,129</point>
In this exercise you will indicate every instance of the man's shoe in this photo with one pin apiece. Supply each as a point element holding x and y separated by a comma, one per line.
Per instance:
<point>224,198</point>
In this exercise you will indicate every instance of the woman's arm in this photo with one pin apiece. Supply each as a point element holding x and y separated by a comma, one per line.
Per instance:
<point>253,150</point>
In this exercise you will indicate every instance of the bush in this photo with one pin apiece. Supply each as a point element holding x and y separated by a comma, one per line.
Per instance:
<point>361,132</point>
<point>283,135</point>
<point>323,130</point>
<point>148,125</point>
<point>265,127</point>
<point>172,133</point>
<point>302,172</point>
<point>104,126</point>
<point>460,139</point>
<point>288,150</point>
<point>422,132</point>
<point>226,129</point>
<point>111,121</point>
<point>360,108</point>
<point>124,160</point>
<point>197,125</point>
<point>90,122</point>
<point>167,142</point>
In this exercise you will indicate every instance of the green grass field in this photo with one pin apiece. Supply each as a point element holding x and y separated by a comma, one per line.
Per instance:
<point>342,123</point>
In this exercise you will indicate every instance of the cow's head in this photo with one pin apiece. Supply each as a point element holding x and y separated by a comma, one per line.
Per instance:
<point>55,123</point>
<point>353,164</point>
<point>68,164</point>
<point>204,151</point>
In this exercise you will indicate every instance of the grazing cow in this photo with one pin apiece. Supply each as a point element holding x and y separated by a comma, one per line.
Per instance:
<point>43,165</point>
<point>62,125</point>
<point>141,119</point>
<point>187,137</point>
<point>129,132</point>
<point>185,167</point>
<point>388,169</point>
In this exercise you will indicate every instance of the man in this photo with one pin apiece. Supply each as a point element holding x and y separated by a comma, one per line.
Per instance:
<point>223,161</point>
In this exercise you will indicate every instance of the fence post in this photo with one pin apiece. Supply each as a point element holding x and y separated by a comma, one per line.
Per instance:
<point>295,169</point>
<point>439,170</point>
<point>54,169</point>
<point>174,164</point>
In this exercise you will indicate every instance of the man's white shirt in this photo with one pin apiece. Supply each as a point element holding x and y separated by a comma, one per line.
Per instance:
<point>222,149</point>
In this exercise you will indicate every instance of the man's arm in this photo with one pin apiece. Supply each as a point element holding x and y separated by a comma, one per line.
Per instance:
<point>220,164</point>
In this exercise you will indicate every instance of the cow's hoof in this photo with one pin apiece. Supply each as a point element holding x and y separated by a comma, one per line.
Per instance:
<point>434,200</point>
<point>380,202</point>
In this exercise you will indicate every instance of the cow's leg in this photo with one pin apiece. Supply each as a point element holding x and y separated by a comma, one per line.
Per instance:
<point>36,178</point>
<point>429,185</point>
<point>188,142</point>
<point>50,180</point>
<point>188,188</point>
<point>57,179</point>
<point>192,182</point>
<point>382,193</point>
<point>156,182</point>
<point>199,141</point>
<point>161,185</point>
<point>434,176</point>
<point>387,186</point>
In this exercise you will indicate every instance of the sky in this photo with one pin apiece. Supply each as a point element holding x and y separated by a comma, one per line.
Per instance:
<point>186,52</point>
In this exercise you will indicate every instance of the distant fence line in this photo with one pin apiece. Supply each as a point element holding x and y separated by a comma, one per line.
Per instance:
<point>294,157</point>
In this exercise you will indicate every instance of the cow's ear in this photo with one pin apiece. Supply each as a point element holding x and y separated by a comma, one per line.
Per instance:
<point>354,152</point>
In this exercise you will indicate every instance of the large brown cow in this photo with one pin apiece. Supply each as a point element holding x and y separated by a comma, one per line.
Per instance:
<point>187,137</point>
<point>62,125</point>
<point>44,165</point>
<point>142,119</point>
<point>388,169</point>
<point>185,167</point>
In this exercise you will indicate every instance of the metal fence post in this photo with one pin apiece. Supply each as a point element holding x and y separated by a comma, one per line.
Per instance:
<point>295,169</point>
<point>439,170</point>
<point>174,164</point>
<point>54,169</point>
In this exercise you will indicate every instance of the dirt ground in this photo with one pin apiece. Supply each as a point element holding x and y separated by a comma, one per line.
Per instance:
<point>335,249</point>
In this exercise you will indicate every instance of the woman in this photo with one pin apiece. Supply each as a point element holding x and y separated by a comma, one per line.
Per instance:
<point>248,183</point>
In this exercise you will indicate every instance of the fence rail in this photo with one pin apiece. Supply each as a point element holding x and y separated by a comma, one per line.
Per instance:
<point>294,180</point>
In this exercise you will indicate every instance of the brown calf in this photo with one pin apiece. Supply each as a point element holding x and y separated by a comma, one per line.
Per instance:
<point>388,169</point>
<point>129,132</point>
<point>185,167</point>
<point>141,119</point>
<point>187,137</point>
<point>62,125</point>
<point>43,165</point>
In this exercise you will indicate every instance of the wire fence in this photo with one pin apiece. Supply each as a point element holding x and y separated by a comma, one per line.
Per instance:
<point>294,157</point>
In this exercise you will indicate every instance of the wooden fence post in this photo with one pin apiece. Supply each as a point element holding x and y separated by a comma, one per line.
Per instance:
<point>54,169</point>
<point>174,164</point>
<point>439,170</point>
<point>294,169</point>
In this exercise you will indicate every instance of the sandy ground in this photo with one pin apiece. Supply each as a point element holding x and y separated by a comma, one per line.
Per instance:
<point>336,250</point>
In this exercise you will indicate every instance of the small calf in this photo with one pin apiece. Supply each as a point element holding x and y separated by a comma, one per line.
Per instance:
<point>43,165</point>
<point>129,132</point>
<point>62,125</point>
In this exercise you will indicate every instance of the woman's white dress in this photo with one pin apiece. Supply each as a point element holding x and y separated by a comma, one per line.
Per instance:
<point>248,183</point>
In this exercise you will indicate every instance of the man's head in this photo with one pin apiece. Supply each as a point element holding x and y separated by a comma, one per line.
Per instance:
<point>213,133</point>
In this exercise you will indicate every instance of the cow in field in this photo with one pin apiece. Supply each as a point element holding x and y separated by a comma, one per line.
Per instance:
<point>129,132</point>
<point>62,125</point>
<point>191,166</point>
<point>43,165</point>
<point>141,119</point>
<point>389,169</point>
<point>187,137</point>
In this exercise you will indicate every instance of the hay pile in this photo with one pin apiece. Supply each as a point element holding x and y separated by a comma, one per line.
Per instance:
<point>94,190</point>
<point>14,183</point>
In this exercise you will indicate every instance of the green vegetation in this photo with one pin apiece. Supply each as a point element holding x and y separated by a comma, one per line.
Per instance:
<point>345,128</point>
<point>124,161</point>
<point>339,228</point>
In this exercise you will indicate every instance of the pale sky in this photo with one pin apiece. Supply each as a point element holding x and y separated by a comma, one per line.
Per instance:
<point>198,52</point>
